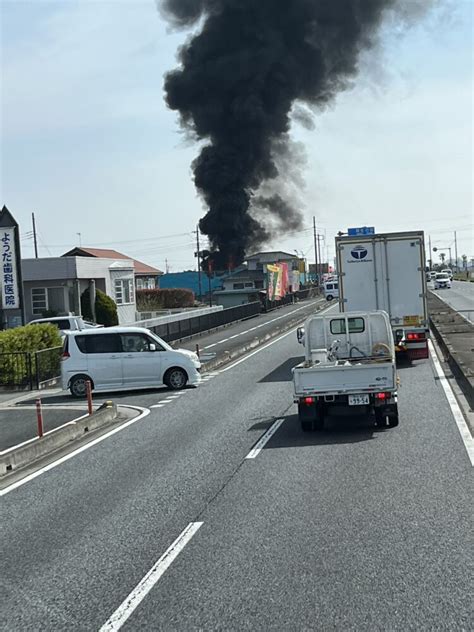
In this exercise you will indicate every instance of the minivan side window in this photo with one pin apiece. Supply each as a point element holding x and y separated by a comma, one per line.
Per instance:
<point>329,286</point>
<point>134,343</point>
<point>105,343</point>
<point>356,325</point>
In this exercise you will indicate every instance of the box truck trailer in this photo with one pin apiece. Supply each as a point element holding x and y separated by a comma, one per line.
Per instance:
<point>386,271</point>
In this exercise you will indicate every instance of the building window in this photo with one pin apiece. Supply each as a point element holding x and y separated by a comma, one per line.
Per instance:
<point>139,284</point>
<point>259,285</point>
<point>124,291</point>
<point>238,286</point>
<point>249,285</point>
<point>39,300</point>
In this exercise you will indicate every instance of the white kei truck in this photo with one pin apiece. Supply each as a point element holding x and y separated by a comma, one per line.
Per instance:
<point>386,271</point>
<point>349,364</point>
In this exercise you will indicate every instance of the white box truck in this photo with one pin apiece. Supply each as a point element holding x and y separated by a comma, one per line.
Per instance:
<point>386,271</point>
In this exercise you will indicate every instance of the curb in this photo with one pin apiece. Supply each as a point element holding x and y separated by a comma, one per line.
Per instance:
<point>466,382</point>
<point>216,363</point>
<point>17,457</point>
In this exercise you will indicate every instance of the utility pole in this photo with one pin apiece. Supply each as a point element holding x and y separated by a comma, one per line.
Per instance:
<point>430,261</point>
<point>34,235</point>
<point>455,251</point>
<point>315,235</point>
<point>319,257</point>
<point>198,255</point>
<point>167,268</point>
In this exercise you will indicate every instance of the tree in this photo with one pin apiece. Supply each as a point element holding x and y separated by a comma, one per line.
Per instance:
<point>464,261</point>
<point>105,308</point>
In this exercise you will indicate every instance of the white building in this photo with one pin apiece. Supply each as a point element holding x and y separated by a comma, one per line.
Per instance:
<point>56,284</point>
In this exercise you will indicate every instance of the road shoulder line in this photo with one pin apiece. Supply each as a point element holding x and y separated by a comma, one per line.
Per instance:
<point>144,412</point>
<point>453,404</point>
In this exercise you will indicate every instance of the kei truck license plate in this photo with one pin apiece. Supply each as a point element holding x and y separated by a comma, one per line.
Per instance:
<point>358,400</point>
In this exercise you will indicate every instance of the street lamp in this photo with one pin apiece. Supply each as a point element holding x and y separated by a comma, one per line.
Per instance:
<point>447,248</point>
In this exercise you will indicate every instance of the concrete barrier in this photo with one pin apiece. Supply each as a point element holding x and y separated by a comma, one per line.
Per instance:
<point>17,457</point>
<point>455,336</point>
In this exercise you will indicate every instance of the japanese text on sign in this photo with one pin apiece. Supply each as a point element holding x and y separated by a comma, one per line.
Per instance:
<point>8,272</point>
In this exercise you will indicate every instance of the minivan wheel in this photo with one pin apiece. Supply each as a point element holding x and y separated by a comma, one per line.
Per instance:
<point>329,297</point>
<point>77,386</point>
<point>175,379</point>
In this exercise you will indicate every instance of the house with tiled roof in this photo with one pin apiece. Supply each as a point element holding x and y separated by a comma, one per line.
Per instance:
<point>146,277</point>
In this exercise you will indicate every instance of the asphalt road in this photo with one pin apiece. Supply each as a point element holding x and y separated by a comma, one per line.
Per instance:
<point>350,529</point>
<point>460,297</point>
<point>19,425</point>
<point>226,340</point>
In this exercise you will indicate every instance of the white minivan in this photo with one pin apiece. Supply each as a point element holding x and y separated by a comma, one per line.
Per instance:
<point>331,290</point>
<point>124,358</point>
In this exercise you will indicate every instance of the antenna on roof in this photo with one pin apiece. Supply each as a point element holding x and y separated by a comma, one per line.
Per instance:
<point>80,239</point>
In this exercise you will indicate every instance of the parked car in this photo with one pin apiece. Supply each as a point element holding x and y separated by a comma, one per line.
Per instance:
<point>433,275</point>
<point>118,358</point>
<point>66,323</point>
<point>449,273</point>
<point>442,280</point>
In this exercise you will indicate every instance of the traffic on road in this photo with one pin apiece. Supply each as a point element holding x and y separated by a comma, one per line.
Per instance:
<point>214,511</point>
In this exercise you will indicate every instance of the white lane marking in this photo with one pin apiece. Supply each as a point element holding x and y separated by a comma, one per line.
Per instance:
<point>166,401</point>
<point>228,368</point>
<point>171,397</point>
<point>262,324</point>
<point>254,452</point>
<point>142,589</point>
<point>156,406</point>
<point>50,466</point>
<point>457,412</point>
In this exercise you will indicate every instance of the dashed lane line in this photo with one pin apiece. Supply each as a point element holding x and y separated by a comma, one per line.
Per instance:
<point>255,451</point>
<point>141,590</point>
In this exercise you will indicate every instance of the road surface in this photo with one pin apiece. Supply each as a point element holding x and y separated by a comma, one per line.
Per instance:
<point>460,297</point>
<point>349,529</point>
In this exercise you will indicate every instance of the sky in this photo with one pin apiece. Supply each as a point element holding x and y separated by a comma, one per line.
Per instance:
<point>88,145</point>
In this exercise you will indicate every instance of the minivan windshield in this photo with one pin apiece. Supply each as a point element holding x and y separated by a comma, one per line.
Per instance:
<point>160,341</point>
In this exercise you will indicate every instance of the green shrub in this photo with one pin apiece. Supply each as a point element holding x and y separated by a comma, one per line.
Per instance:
<point>15,369</point>
<point>167,298</point>
<point>105,308</point>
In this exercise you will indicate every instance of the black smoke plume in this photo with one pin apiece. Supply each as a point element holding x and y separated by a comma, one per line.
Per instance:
<point>241,72</point>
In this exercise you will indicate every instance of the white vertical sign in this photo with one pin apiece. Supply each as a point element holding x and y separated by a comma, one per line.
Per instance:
<point>9,284</point>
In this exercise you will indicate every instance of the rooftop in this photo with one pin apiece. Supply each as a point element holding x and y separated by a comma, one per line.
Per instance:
<point>106,253</point>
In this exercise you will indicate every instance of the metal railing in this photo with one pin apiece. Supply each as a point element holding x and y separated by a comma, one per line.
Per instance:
<point>29,370</point>
<point>190,326</point>
<point>176,330</point>
<point>15,369</point>
<point>47,364</point>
